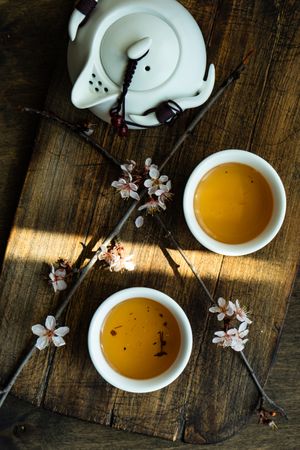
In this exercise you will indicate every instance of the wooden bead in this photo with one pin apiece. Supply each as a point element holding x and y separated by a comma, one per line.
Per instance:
<point>123,130</point>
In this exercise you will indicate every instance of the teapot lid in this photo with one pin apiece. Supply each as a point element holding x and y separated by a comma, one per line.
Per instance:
<point>157,66</point>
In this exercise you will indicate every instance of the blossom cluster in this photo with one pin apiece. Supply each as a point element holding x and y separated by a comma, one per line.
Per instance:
<point>116,259</point>
<point>231,337</point>
<point>133,180</point>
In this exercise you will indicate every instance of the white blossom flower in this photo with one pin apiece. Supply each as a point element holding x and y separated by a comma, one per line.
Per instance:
<point>139,221</point>
<point>57,278</point>
<point>115,258</point>
<point>224,338</point>
<point>48,333</point>
<point>240,313</point>
<point>152,206</point>
<point>232,338</point>
<point>119,263</point>
<point>238,343</point>
<point>126,188</point>
<point>224,309</point>
<point>156,181</point>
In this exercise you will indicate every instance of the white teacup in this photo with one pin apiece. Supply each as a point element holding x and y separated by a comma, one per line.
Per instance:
<point>278,193</point>
<point>137,385</point>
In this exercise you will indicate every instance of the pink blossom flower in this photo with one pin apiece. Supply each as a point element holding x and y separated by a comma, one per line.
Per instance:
<point>48,333</point>
<point>126,188</point>
<point>224,338</point>
<point>115,258</point>
<point>57,278</point>
<point>232,338</point>
<point>240,313</point>
<point>224,309</point>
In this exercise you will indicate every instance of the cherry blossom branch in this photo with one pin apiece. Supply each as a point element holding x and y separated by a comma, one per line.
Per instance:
<point>264,396</point>
<point>5,391</point>
<point>116,231</point>
<point>175,242</point>
<point>78,129</point>
<point>170,235</point>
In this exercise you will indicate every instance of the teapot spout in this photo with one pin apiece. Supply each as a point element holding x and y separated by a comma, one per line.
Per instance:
<point>88,100</point>
<point>90,89</point>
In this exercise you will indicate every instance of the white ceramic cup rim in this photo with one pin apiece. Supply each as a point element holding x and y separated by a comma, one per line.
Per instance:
<point>129,384</point>
<point>278,192</point>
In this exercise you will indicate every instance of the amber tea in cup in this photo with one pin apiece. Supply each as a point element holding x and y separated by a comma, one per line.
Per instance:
<point>233,203</point>
<point>140,338</point>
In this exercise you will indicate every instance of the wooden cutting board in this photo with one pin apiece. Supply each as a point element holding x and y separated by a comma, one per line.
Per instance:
<point>67,200</point>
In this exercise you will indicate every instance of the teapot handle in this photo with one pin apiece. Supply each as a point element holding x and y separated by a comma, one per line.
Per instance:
<point>152,118</point>
<point>81,11</point>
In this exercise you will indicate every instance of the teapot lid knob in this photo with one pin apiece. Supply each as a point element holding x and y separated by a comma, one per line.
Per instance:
<point>139,48</point>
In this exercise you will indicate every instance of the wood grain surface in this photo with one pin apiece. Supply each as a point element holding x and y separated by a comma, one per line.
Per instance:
<point>66,200</point>
<point>24,427</point>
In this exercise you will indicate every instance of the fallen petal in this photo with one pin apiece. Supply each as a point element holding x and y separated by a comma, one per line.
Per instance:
<point>139,222</point>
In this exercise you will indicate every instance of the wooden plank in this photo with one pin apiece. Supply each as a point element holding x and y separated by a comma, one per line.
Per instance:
<point>262,280</point>
<point>66,200</point>
<point>28,427</point>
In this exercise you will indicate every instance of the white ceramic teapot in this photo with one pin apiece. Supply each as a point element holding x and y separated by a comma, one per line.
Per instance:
<point>139,62</point>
